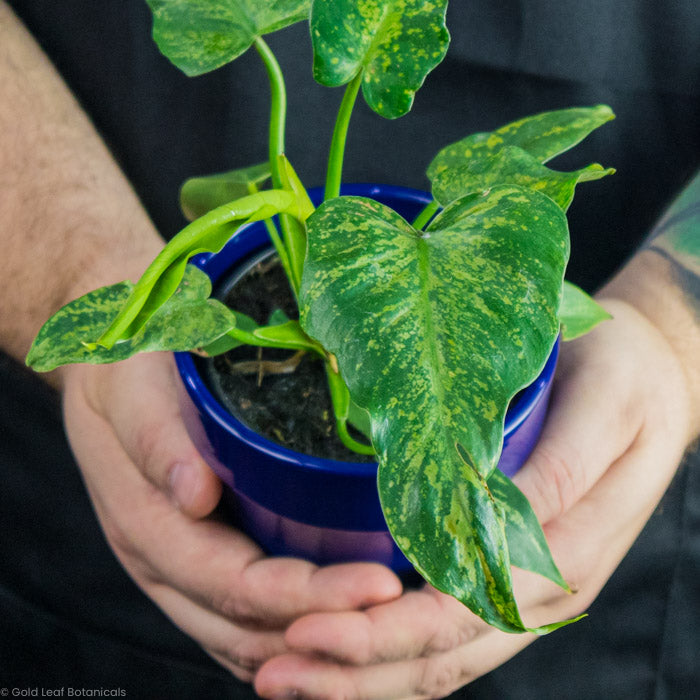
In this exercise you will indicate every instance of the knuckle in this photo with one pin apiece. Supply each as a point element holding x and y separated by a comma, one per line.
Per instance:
<point>129,553</point>
<point>437,677</point>
<point>232,604</point>
<point>119,540</point>
<point>560,478</point>
<point>243,657</point>
<point>152,457</point>
<point>448,638</point>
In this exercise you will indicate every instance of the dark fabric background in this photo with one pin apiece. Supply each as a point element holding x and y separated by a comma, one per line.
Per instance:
<point>68,613</point>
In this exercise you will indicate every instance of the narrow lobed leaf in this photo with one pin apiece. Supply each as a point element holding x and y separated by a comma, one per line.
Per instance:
<point>548,134</point>
<point>509,165</point>
<point>515,154</point>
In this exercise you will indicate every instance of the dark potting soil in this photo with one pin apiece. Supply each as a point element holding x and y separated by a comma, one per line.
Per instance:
<point>279,394</point>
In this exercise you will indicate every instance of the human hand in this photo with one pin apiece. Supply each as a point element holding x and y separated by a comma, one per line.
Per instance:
<point>617,428</point>
<point>153,492</point>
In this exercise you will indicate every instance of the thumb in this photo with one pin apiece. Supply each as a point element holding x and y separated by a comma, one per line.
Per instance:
<point>138,397</point>
<point>590,425</point>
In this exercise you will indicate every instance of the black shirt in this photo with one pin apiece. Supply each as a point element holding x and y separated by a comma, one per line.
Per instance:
<point>68,614</point>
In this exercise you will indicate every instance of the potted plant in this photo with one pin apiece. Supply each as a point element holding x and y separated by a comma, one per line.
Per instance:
<point>426,321</point>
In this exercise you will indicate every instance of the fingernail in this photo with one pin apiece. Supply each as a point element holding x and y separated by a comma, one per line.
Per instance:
<point>182,482</point>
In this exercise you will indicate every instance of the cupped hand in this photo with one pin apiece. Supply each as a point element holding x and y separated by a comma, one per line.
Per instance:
<point>153,492</point>
<point>618,425</point>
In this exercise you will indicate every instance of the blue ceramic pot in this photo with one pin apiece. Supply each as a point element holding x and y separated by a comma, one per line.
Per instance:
<point>296,505</point>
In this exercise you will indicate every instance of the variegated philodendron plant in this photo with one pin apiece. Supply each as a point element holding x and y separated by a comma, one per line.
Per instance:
<point>430,326</point>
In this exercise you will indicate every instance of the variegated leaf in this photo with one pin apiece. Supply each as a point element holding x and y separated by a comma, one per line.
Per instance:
<point>526,542</point>
<point>514,154</point>
<point>201,35</point>
<point>209,233</point>
<point>548,134</point>
<point>509,165</point>
<point>434,333</point>
<point>395,43</point>
<point>187,320</point>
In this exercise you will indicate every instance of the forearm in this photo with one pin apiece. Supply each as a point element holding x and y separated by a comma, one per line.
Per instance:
<point>69,220</point>
<point>663,282</point>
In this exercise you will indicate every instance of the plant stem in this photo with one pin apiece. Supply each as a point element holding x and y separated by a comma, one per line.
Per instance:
<point>278,108</point>
<point>294,243</point>
<point>340,132</point>
<point>340,398</point>
<point>275,238</point>
<point>424,217</point>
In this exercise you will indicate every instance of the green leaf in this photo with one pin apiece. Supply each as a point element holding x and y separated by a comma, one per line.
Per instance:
<point>579,313</point>
<point>200,195</point>
<point>292,228</point>
<point>526,542</point>
<point>514,154</point>
<point>395,43</point>
<point>359,419</point>
<point>277,317</point>
<point>188,320</point>
<point>201,35</point>
<point>509,165</point>
<point>548,134</point>
<point>286,335</point>
<point>209,233</point>
<point>227,342</point>
<point>434,332</point>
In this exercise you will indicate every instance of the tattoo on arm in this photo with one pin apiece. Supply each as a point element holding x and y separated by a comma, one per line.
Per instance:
<point>677,238</point>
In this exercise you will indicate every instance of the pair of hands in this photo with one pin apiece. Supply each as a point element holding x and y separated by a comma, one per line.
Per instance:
<point>618,425</point>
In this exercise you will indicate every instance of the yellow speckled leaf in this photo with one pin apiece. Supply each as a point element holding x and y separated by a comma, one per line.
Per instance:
<point>396,43</point>
<point>201,35</point>
<point>515,153</point>
<point>434,333</point>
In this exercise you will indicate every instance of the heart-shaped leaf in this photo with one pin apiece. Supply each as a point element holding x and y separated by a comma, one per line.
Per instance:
<point>579,313</point>
<point>187,320</point>
<point>201,35</point>
<point>199,195</point>
<point>514,154</point>
<point>434,333</point>
<point>395,43</point>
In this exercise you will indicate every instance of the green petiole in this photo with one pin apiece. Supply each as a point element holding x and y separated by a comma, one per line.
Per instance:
<point>424,217</point>
<point>340,132</point>
<point>340,398</point>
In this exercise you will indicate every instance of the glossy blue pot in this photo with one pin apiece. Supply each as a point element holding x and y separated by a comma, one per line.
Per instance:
<point>296,505</point>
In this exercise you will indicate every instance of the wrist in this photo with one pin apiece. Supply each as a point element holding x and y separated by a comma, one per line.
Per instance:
<point>647,284</point>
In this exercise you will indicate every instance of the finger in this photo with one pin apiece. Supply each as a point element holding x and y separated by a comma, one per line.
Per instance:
<point>606,522</point>
<point>239,650</point>
<point>581,538</point>
<point>209,562</point>
<point>591,421</point>
<point>141,403</point>
<point>420,623</point>
<point>296,675</point>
